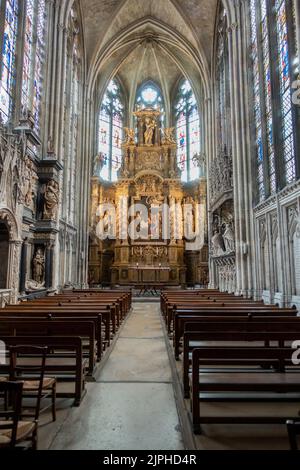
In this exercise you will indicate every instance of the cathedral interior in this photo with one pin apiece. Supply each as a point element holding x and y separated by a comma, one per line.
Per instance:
<point>150,146</point>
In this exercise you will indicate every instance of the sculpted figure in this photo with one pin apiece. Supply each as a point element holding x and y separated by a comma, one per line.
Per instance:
<point>168,135</point>
<point>50,147</point>
<point>217,244</point>
<point>99,162</point>
<point>150,126</point>
<point>130,136</point>
<point>51,200</point>
<point>229,239</point>
<point>39,266</point>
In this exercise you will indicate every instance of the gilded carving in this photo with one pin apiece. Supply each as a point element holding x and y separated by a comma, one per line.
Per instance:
<point>150,127</point>
<point>168,136</point>
<point>129,136</point>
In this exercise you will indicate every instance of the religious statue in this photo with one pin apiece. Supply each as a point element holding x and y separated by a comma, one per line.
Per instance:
<point>199,160</point>
<point>150,127</point>
<point>228,237</point>
<point>50,147</point>
<point>130,136</point>
<point>29,179</point>
<point>99,162</point>
<point>218,246</point>
<point>39,266</point>
<point>168,136</point>
<point>51,200</point>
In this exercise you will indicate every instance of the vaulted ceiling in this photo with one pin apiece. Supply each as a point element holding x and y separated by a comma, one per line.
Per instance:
<point>149,39</point>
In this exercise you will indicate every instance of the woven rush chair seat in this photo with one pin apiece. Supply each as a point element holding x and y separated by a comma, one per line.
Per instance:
<point>24,429</point>
<point>33,385</point>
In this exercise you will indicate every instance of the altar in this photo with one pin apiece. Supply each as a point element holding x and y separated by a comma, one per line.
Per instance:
<point>152,274</point>
<point>143,253</point>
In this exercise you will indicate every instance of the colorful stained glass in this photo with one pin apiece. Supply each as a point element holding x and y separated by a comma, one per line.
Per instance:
<point>39,62</point>
<point>187,131</point>
<point>33,61</point>
<point>277,63</point>
<point>117,135</point>
<point>149,96</point>
<point>111,131</point>
<point>285,91</point>
<point>268,93</point>
<point>194,129</point>
<point>182,146</point>
<point>8,58</point>
<point>28,54</point>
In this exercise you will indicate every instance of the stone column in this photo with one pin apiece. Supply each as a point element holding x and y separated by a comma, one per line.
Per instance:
<point>14,267</point>
<point>49,254</point>
<point>23,266</point>
<point>242,174</point>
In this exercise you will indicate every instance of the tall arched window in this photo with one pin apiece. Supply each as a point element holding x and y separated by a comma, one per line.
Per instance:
<point>188,131</point>
<point>110,131</point>
<point>9,10</point>
<point>222,86</point>
<point>273,54</point>
<point>34,57</point>
<point>72,115</point>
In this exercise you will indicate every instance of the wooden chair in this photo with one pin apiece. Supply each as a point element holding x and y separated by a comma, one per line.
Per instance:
<point>293,431</point>
<point>12,429</point>
<point>35,382</point>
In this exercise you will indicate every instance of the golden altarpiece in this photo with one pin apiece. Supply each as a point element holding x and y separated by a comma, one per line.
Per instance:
<point>149,175</point>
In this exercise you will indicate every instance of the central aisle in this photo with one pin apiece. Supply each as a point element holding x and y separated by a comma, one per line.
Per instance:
<point>131,406</point>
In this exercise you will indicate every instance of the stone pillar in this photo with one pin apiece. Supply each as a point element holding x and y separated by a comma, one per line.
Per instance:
<point>241,152</point>
<point>23,266</point>
<point>49,265</point>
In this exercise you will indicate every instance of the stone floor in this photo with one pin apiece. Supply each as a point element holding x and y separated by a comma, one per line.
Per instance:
<point>131,406</point>
<point>136,397</point>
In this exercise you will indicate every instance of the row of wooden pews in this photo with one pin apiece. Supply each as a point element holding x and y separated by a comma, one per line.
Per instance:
<point>76,326</point>
<point>232,350</point>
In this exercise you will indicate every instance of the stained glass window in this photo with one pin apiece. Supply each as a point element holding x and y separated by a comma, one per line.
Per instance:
<point>149,95</point>
<point>268,93</point>
<point>8,72</point>
<point>271,59</point>
<point>110,131</point>
<point>187,131</point>
<point>285,91</point>
<point>72,113</point>
<point>257,104</point>
<point>33,61</point>
<point>223,109</point>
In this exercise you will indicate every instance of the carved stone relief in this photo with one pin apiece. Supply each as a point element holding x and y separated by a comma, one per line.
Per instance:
<point>220,176</point>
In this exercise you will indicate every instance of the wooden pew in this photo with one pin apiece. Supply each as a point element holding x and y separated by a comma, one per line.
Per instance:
<point>51,327</point>
<point>278,381</point>
<point>205,304</point>
<point>63,311</point>
<point>188,316</point>
<point>45,317</point>
<point>263,332</point>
